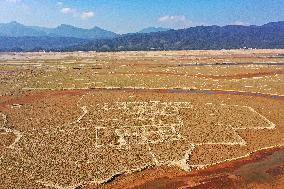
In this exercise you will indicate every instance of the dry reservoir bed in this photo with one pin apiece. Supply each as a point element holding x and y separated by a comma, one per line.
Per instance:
<point>69,122</point>
<point>73,139</point>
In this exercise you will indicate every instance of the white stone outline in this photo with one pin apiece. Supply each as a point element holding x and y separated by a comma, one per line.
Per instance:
<point>17,133</point>
<point>182,163</point>
<point>123,144</point>
<point>272,125</point>
<point>78,120</point>
<point>140,109</point>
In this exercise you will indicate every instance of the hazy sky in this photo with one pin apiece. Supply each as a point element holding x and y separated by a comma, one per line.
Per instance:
<point>124,16</point>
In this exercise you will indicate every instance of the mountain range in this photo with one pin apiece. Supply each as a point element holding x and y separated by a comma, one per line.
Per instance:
<point>269,35</point>
<point>15,29</point>
<point>17,37</point>
<point>153,29</point>
<point>26,43</point>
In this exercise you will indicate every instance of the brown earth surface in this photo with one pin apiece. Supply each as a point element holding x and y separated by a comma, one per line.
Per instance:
<point>142,119</point>
<point>237,76</point>
<point>206,139</point>
<point>261,170</point>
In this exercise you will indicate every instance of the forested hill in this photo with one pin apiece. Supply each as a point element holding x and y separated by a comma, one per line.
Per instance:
<point>270,35</point>
<point>19,44</point>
